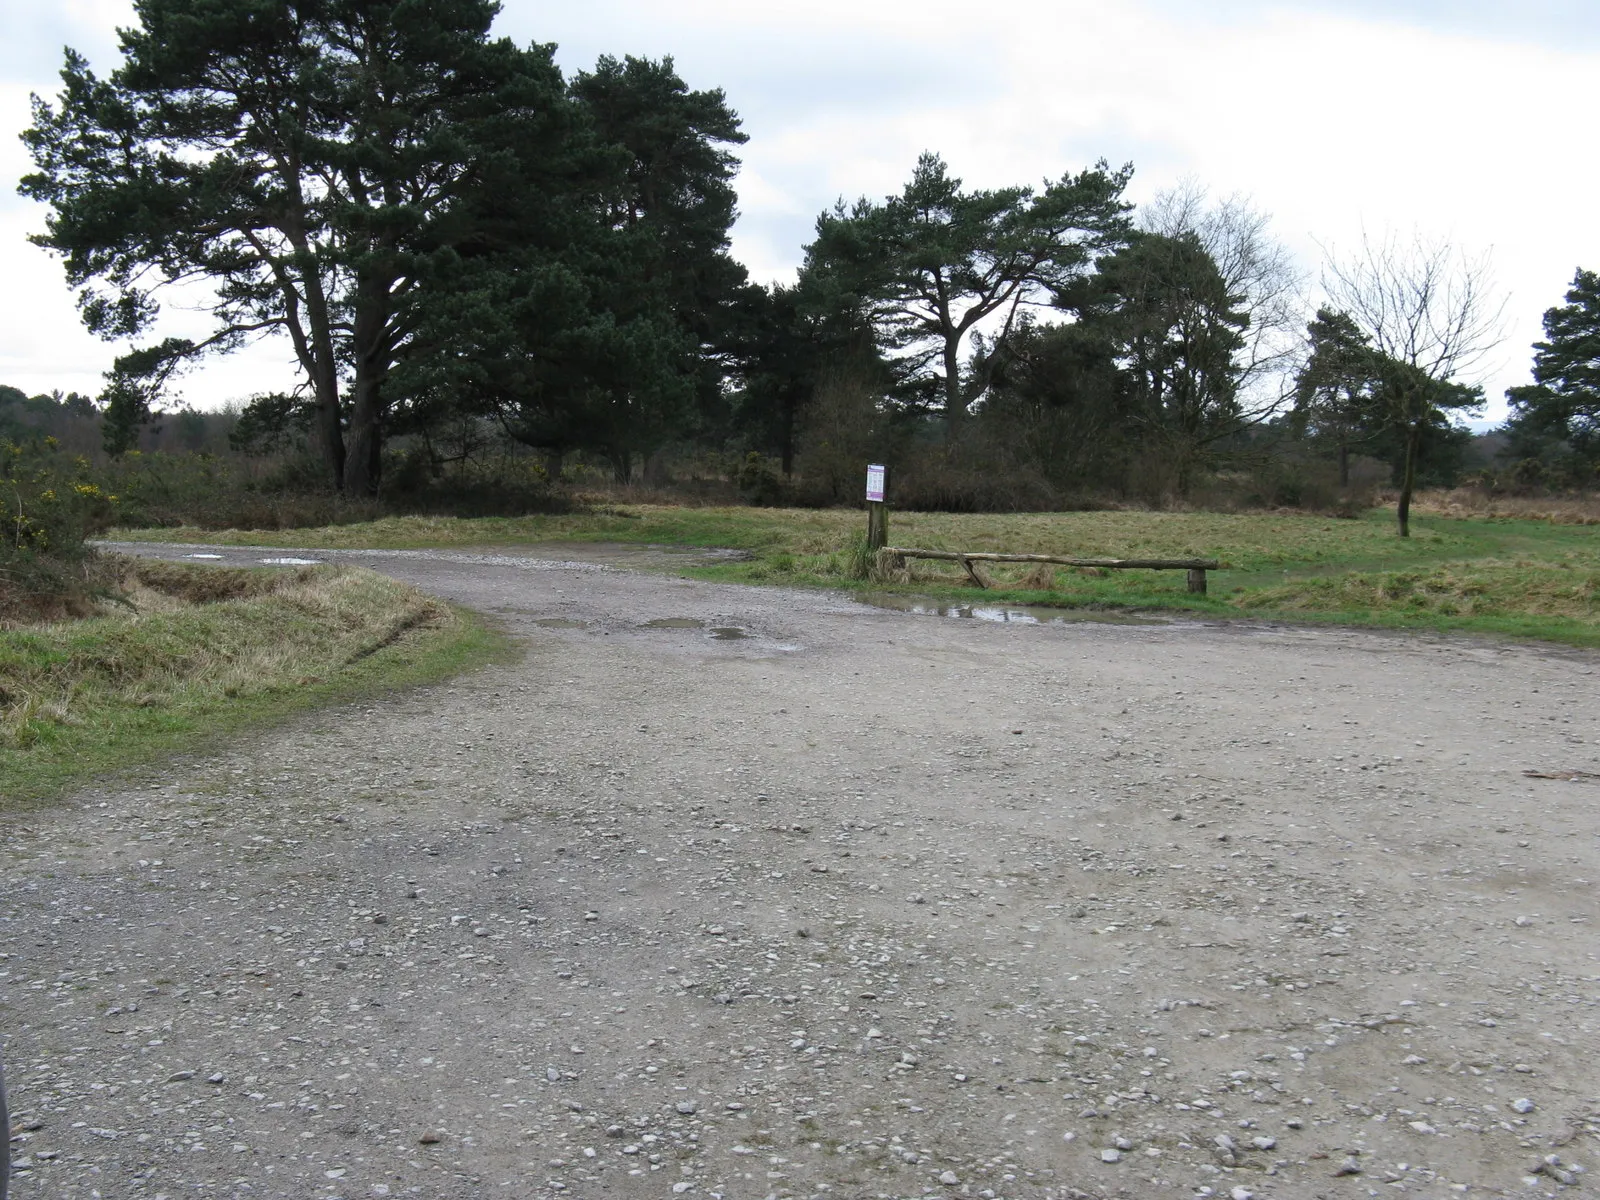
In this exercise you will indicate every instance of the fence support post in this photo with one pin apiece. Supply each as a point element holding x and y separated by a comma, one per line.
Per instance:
<point>1197,582</point>
<point>877,525</point>
<point>877,507</point>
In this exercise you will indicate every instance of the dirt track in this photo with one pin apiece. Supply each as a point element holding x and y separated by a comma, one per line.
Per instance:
<point>860,904</point>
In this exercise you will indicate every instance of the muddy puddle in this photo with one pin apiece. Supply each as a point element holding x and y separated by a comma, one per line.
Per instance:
<point>721,633</point>
<point>1018,614</point>
<point>561,623</point>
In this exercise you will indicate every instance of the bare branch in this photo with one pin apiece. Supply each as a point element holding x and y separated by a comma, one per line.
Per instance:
<point>1256,267</point>
<point>1423,302</point>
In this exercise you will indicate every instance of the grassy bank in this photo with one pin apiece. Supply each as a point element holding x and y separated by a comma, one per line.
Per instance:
<point>1494,575</point>
<point>205,651</point>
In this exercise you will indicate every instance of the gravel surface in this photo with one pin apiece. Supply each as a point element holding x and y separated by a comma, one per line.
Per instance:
<point>786,896</point>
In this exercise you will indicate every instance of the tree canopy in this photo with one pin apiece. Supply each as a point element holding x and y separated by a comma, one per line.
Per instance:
<point>929,265</point>
<point>372,178</point>
<point>1563,402</point>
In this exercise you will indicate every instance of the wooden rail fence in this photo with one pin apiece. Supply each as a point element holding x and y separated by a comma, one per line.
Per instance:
<point>1196,567</point>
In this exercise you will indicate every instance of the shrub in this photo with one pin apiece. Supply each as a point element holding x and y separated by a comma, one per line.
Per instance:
<point>758,483</point>
<point>49,507</point>
<point>49,504</point>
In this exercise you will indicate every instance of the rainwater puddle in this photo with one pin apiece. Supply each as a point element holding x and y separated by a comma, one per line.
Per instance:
<point>729,633</point>
<point>674,623</point>
<point>291,562</point>
<point>215,556</point>
<point>561,623</point>
<point>1025,614</point>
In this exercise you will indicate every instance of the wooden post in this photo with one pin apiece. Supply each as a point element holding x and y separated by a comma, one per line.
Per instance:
<point>877,507</point>
<point>1197,582</point>
<point>877,525</point>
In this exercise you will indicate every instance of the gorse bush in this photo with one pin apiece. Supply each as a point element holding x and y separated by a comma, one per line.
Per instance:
<point>49,506</point>
<point>49,502</point>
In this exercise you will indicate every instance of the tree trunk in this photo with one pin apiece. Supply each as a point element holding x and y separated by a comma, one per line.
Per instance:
<point>955,408</point>
<point>621,465</point>
<point>322,367</point>
<point>786,448</point>
<point>330,427</point>
<point>1183,470</point>
<point>363,465</point>
<point>1408,479</point>
<point>1344,465</point>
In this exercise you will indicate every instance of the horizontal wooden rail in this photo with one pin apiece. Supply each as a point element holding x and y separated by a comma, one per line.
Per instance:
<point>1148,564</point>
<point>1197,567</point>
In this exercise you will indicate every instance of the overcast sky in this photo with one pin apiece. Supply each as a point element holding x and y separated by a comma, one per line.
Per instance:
<point>1471,120</point>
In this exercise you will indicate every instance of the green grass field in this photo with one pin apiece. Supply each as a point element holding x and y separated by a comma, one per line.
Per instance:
<point>1519,578</point>
<point>205,652</point>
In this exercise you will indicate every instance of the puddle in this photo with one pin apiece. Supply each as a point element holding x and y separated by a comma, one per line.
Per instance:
<point>674,623</point>
<point>291,562</point>
<point>729,633</point>
<point>1026,614</point>
<point>215,556</point>
<point>561,623</point>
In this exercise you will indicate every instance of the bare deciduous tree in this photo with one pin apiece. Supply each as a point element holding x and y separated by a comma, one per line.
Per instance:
<point>1423,302</point>
<point>1434,316</point>
<point>1256,267</point>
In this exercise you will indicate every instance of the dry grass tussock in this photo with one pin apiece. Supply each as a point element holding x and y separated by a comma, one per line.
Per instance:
<point>186,638</point>
<point>1569,590</point>
<point>42,588</point>
<point>1476,503</point>
<point>1041,577</point>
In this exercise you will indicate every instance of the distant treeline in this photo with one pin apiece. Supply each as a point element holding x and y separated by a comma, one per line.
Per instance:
<point>470,253</point>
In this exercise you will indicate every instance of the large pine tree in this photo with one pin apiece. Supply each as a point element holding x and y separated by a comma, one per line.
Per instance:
<point>320,164</point>
<point>1563,402</point>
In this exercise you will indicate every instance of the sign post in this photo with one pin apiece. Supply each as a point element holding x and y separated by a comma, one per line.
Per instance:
<point>877,506</point>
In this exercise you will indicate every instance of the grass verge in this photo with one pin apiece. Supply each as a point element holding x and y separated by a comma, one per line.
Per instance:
<point>1496,575</point>
<point>205,652</point>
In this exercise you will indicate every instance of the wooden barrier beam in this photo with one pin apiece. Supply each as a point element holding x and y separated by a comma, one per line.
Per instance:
<point>1196,567</point>
<point>1115,564</point>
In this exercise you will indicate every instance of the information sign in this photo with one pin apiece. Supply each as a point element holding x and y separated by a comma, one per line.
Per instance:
<point>875,478</point>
